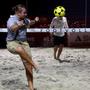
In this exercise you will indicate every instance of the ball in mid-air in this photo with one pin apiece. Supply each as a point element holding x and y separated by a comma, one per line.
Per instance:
<point>59,11</point>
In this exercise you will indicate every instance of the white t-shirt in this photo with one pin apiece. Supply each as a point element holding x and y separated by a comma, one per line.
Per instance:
<point>59,23</point>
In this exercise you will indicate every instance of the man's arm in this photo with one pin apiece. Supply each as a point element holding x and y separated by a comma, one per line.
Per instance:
<point>32,22</point>
<point>51,27</point>
<point>65,23</point>
<point>13,25</point>
<point>52,24</point>
<point>17,26</point>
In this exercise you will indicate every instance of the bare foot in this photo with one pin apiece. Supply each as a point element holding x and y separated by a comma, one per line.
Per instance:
<point>54,57</point>
<point>59,60</point>
<point>35,88</point>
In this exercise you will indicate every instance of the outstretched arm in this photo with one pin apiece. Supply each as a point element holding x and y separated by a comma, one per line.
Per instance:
<point>32,22</point>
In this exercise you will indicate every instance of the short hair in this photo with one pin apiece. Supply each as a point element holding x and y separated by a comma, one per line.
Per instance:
<point>18,8</point>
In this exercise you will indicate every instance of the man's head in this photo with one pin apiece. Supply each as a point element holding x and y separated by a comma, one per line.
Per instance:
<point>20,11</point>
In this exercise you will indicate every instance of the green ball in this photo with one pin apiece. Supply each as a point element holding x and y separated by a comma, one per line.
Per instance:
<point>59,11</point>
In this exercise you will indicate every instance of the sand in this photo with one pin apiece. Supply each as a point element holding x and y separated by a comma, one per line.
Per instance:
<point>53,75</point>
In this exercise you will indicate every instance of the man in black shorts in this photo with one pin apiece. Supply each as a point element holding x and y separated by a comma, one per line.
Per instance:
<point>58,23</point>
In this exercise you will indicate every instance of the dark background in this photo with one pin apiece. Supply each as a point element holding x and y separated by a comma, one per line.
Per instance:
<point>77,13</point>
<point>75,9</point>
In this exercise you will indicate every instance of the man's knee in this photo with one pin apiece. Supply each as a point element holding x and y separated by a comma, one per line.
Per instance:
<point>19,49</point>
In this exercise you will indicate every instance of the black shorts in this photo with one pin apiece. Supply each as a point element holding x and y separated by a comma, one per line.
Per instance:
<point>58,40</point>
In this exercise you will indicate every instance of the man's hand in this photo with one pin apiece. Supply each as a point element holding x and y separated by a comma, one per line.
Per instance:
<point>36,19</point>
<point>21,23</point>
<point>32,22</point>
<point>51,34</point>
<point>17,25</point>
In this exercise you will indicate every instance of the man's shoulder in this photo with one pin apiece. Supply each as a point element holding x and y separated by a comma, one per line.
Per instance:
<point>64,19</point>
<point>55,18</point>
<point>12,18</point>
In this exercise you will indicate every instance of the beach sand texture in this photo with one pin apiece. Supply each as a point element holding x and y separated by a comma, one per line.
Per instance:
<point>53,75</point>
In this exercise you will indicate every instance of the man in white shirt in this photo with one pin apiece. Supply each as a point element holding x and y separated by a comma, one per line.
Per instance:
<point>58,23</point>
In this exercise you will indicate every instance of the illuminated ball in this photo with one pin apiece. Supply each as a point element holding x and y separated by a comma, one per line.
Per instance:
<point>59,11</point>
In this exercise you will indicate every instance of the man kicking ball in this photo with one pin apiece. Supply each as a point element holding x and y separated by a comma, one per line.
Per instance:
<point>16,39</point>
<point>58,23</point>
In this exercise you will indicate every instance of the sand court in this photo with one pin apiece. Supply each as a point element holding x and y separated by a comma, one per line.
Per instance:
<point>53,75</point>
